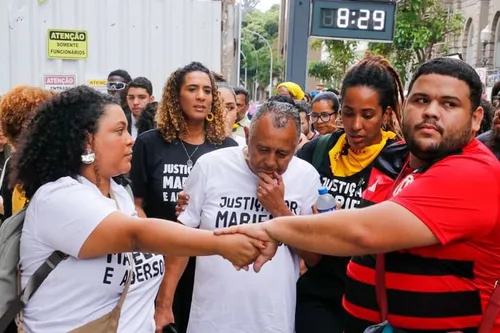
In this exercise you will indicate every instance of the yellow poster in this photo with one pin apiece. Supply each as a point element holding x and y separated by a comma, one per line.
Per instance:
<point>98,84</point>
<point>67,44</point>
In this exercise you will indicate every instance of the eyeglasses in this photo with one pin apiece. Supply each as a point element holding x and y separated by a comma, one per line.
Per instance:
<point>116,85</point>
<point>324,116</point>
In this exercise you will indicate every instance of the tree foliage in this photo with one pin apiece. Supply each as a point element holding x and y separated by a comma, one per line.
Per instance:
<point>341,54</point>
<point>257,58</point>
<point>248,5</point>
<point>421,27</point>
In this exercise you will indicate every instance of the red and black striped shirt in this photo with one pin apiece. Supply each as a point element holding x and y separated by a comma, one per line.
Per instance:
<point>445,287</point>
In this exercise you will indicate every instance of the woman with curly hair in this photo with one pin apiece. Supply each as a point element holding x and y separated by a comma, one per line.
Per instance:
<point>190,122</point>
<point>17,108</point>
<point>65,164</point>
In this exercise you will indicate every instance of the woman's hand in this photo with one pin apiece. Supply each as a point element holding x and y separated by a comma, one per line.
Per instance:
<point>182,202</point>
<point>239,249</point>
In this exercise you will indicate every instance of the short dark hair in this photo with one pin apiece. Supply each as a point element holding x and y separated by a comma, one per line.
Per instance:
<point>303,106</point>
<point>487,121</point>
<point>281,99</point>
<point>454,68</point>
<point>121,73</point>
<point>142,82</point>
<point>146,119</point>
<point>330,97</point>
<point>242,91</point>
<point>495,91</point>
<point>333,90</point>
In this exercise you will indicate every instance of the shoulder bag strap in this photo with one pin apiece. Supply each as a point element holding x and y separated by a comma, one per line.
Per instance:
<point>34,283</point>
<point>4,170</point>
<point>491,312</point>
<point>319,150</point>
<point>380,289</point>
<point>129,281</point>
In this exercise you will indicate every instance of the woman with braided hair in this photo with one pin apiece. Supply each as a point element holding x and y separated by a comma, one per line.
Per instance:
<point>190,122</point>
<point>372,97</point>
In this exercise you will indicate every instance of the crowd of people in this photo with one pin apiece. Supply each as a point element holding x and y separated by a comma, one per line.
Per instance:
<point>220,232</point>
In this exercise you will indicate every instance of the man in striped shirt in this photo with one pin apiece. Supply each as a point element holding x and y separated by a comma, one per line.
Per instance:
<point>439,228</point>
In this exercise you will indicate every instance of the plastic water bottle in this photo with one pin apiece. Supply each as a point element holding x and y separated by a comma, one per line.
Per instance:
<point>326,202</point>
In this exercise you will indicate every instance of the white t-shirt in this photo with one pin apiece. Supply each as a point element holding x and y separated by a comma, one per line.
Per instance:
<point>241,141</point>
<point>133,127</point>
<point>61,216</point>
<point>223,192</point>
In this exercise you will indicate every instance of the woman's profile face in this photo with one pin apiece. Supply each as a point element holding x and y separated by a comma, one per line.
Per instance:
<point>112,143</point>
<point>230,109</point>
<point>195,96</point>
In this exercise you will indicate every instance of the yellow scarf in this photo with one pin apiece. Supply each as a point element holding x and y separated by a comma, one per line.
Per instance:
<point>18,200</point>
<point>345,165</point>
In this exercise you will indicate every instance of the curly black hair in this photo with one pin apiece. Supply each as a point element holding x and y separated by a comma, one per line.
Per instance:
<point>52,145</point>
<point>146,120</point>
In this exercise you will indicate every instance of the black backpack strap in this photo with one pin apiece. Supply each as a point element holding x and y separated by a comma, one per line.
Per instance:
<point>34,283</point>
<point>320,150</point>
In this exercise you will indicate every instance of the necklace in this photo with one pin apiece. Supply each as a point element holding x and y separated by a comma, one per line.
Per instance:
<point>189,161</point>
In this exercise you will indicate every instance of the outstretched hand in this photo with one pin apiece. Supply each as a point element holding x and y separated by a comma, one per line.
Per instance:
<point>257,232</point>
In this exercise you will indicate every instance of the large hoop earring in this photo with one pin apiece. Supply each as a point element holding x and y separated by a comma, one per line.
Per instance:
<point>210,116</point>
<point>88,157</point>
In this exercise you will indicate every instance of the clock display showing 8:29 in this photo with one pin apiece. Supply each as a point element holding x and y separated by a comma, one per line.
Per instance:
<point>353,19</point>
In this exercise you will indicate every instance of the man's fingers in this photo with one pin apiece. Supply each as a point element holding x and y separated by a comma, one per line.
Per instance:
<point>278,178</point>
<point>259,262</point>
<point>258,244</point>
<point>339,206</point>
<point>315,209</point>
<point>226,231</point>
<point>265,178</point>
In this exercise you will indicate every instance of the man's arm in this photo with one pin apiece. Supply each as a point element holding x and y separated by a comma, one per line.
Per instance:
<point>174,268</point>
<point>435,208</point>
<point>377,229</point>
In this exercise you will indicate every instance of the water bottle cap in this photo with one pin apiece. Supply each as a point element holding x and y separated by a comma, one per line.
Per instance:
<point>322,190</point>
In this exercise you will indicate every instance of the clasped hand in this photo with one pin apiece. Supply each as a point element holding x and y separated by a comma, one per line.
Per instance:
<point>251,243</point>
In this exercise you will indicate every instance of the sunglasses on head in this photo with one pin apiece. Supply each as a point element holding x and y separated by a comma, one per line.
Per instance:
<point>116,85</point>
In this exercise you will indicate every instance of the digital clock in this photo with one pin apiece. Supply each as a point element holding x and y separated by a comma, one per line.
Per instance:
<point>354,19</point>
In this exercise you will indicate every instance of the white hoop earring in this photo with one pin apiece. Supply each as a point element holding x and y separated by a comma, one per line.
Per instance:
<point>88,157</point>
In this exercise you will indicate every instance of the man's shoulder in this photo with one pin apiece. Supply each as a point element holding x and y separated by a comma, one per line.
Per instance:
<point>221,156</point>
<point>484,136</point>
<point>150,137</point>
<point>475,162</point>
<point>301,168</point>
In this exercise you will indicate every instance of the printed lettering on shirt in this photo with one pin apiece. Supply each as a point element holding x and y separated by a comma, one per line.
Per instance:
<point>404,183</point>
<point>147,266</point>
<point>242,210</point>
<point>348,194</point>
<point>174,179</point>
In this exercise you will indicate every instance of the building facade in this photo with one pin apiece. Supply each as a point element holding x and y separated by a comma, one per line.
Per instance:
<point>479,16</point>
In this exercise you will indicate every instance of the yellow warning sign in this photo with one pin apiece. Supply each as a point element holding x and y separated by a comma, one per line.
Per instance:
<point>97,82</point>
<point>67,44</point>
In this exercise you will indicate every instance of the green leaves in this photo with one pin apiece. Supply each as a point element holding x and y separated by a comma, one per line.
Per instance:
<point>342,55</point>
<point>256,51</point>
<point>420,26</point>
